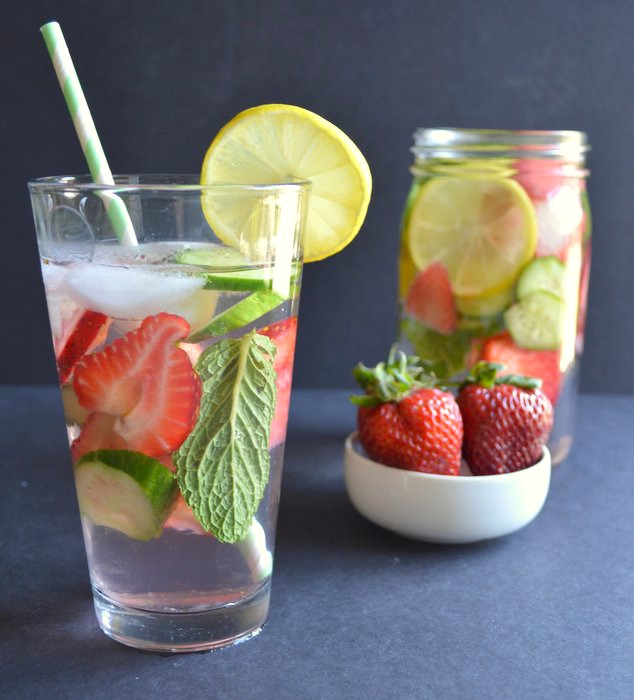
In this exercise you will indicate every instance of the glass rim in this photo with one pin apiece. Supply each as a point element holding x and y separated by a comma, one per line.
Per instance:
<point>157,182</point>
<point>455,142</point>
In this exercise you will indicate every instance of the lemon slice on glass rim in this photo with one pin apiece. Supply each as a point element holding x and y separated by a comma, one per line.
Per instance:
<point>483,230</point>
<point>279,143</point>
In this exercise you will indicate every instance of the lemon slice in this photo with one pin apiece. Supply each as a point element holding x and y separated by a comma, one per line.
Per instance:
<point>483,230</point>
<point>274,144</point>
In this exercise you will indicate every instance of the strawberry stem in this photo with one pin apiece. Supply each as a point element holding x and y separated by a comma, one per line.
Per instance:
<point>486,374</point>
<point>392,380</point>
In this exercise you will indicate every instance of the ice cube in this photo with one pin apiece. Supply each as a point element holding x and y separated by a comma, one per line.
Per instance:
<point>558,219</point>
<point>130,293</point>
<point>63,310</point>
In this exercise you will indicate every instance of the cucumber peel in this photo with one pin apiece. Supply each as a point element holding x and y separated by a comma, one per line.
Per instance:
<point>212,256</point>
<point>247,280</point>
<point>126,491</point>
<point>542,275</point>
<point>485,306</point>
<point>535,322</point>
<point>240,314</point>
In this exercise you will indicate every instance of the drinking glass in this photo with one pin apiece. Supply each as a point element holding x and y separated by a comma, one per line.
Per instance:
<point>175,358</point>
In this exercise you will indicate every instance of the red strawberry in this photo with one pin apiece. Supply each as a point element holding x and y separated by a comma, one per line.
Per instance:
<point>431,301</point>
<point>146,383</point>
<point>89,331</point>
<point>97,433</point>
<point>540,177</point>
<point>543,364</point>
<point>507,421</point>
<point>404,423</point>
<point>283,334</point>
<point>182,518</point>
<point>583,298</point>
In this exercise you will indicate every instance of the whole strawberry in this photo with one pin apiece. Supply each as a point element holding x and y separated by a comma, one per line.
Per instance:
<point>507,420</point>
<point>405,421</point>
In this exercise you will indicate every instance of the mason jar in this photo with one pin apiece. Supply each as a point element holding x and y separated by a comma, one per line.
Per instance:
<point>495,258</point>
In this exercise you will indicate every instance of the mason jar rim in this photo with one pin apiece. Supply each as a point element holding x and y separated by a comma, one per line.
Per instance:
<point>450,142</point>
<point>160,182</point>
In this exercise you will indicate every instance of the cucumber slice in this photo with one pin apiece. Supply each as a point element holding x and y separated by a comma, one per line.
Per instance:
<point>126,491</point>
<point>239,281</point>
<point>542,275</point>
<point>212,256</point>
<point>535,322</point>
<point>249,280</point>
<point>244,312</point>
<point>488,305</point>
<point>244,278</point>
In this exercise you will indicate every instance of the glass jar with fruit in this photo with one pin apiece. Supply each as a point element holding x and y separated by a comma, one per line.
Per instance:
<point>495,258</point>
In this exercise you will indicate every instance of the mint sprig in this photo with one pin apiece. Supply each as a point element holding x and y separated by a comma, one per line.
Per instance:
<point>223,466</point>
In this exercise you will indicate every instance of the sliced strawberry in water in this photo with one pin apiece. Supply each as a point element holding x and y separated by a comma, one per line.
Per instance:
<point>147,382</point>
<point>431,301</point>
<point>182,518</point>
<point>540,177</point>
<point>543,364</point>
<point>90,331</point>
<point>97,433</point>
<point>283,334</point>
<point>584,283</point>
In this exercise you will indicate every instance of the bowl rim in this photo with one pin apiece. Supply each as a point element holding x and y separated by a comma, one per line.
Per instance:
<point>352,444</point>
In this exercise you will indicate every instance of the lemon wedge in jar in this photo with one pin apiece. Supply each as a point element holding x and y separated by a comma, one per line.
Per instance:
<point>483,230</point>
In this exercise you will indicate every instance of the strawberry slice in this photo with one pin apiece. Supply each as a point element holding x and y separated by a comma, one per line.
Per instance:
<point>97,433</point>
<point>430,299</point>
<point>543,364</point>
<point>283,334</point>
<point>89,332</point>
<point>146,382</point>
<point>540,177</point>
<point>182,518</point>
<point>584,283</point>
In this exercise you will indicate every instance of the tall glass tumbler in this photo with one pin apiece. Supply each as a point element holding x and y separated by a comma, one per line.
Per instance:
<point>175,359</point>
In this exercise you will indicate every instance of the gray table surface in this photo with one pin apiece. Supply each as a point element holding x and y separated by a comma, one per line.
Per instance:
<point>356,612</point>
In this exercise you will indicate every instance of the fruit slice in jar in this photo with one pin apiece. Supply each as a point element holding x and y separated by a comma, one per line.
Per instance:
<point>89,331</point>
<point>543,364</point>
<point>283,334</point>
<point>483,230</point>
<point>240,314</point>
<point>430,301</point>
<point>535,322</point>
<point>126,491</point>
<point>485,306</point>
<point>229,270</point>
<point>279,143</point>
<point>145,384</point>
<point>542,275</point>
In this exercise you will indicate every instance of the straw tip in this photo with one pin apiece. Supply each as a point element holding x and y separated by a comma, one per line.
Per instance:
<point>49,26</point>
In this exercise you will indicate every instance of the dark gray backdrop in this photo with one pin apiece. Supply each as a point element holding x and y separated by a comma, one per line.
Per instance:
<point>162,77</point>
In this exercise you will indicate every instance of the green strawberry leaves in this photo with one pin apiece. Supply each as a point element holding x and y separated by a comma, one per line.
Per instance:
<point>223,466</point>
<point>486,374</point>
<point>392,380</point>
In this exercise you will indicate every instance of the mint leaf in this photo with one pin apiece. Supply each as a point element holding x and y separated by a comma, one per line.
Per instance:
<point>444,355</point>
<point>223,466</point>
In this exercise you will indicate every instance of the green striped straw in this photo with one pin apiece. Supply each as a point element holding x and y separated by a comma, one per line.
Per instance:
<point>85,127</point>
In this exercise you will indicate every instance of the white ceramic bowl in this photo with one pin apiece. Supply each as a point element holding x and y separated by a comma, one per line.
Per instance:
<point>447,509</point>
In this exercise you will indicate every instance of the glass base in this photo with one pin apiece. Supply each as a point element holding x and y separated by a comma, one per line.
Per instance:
<point>183,632</point>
